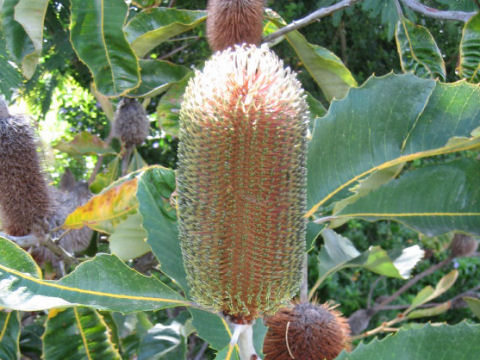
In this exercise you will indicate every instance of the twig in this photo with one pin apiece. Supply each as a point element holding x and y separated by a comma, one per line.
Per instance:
<point>399,9</point>
<point>372,289</point>
<point>318,14</point>
<point>202,350</point>
<point>22,241</point>
<point>174,51</point>
<point>438,14</point>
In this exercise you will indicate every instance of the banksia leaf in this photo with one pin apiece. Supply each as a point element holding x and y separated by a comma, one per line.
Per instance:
<point>131,123</point>
<point>24,199</point>
<point>307,332</point>
<point>231,22</point>
<point>241,182</point>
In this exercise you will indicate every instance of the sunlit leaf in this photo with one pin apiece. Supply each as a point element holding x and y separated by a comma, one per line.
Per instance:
<point>428,312</point>
<point>84,143</point>
<point>128,241</point>
<point>474,305</point>
<point>428,293</point>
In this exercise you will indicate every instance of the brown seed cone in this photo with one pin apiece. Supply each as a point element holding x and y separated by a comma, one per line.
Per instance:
<point>231,22</point>
<point>241,183</point>
<point>463,245</point>
<point>313,332</point>
<point>24,200</point>
<point>131,123</point>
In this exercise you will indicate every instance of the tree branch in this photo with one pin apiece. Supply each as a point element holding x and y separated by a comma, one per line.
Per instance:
<point>318,14</point>
<point>438,14</point>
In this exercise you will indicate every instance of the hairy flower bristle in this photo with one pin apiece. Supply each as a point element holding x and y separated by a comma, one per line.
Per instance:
<point>306,332</point>
<point>241,182</point>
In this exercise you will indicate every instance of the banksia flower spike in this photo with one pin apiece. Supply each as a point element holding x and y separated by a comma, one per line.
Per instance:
<point>241,183</point>
<point>131,123</point>
<point>231,22</point>
<point>24,199</point>
<point>306,332</point>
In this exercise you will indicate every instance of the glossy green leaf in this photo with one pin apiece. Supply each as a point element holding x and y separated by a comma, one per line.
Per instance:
<point>9,335</point>
<point>367,131</point>
<point>418,51</point>
<point>211,328</point>
<point>151,27</point>
<point>428,293</point>
<point>166,342</point>
<point>421,200</point>
<point>325,67</point>
<point>428,312</point>
<point>103,283</point>
<point>474,305</point>
<point>313,232</point>
<point>259,332</point>
<point>14,257</point>
<point>18,44</point>
<point>77,333</point>
<point>155,187</point>
<point>128,240</point>
<point>338,253</point>
<point>469,67</point>
<point>98,38</point>
<point>157,77</point>
<point>227,353</point>
<point>459,342</point>
<point>84,143</point>
<point>168,108</point>
<point>107,176</point>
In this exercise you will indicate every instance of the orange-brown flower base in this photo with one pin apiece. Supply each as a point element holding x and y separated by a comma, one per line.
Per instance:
<point>306,332</point>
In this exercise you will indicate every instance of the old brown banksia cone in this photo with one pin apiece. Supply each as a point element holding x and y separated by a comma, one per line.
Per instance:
<point>241,182</point>
<point>306,332</point>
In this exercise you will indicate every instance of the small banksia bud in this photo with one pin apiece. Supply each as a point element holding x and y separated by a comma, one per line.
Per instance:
<point>463,245</point>
<point>131,123</point>
<point>306,332</point>
<point>241,182</point>
<point>24,200</point>
<point>231,22</point>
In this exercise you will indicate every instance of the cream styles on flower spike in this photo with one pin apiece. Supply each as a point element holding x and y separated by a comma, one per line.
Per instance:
<point>241,182</point>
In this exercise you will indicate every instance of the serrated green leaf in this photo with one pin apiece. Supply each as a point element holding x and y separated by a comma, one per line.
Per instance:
<point>211,328</point>
<point>474,305</point>
<point>155,187</point>
<point>98,38</point>
<point>421,200</point>
<point>165,342</point>
<point>77,333</point>
<point>13,256</point>
<point>9,335</point>
<point>84,143</point>
<point>418,51</point>
<point>428,312</point>
<point>128,240</point>
<point>158,76</point>
<point>459,342</point>
<point>11,78</point>
<point>103,283</point>
<point>367,131</point>
<point>151,27</point>
<point>227,353</point>
<point>469,67</point>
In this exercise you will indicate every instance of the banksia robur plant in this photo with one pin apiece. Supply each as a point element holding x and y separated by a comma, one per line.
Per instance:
<point>231,22</point>
<point>241,182</point>
<point>306,332</point>
<point>463,245</point>
<point>24,199</point>
<point>131,123</point>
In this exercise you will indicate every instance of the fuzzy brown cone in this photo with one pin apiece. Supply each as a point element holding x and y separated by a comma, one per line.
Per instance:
<point>131,123</point>
<point>24,199</point>
<point>306,332</point>
<point>241,183</point>
<point>463,245</point>
<point>231,22</point>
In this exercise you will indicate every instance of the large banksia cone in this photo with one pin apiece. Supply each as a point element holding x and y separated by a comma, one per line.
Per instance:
<point>131,123</point>
<point>24,200</point>
<point>306,332</point>
<point>231,22</point>
<point>463,245</point>
<point>241,182</point>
